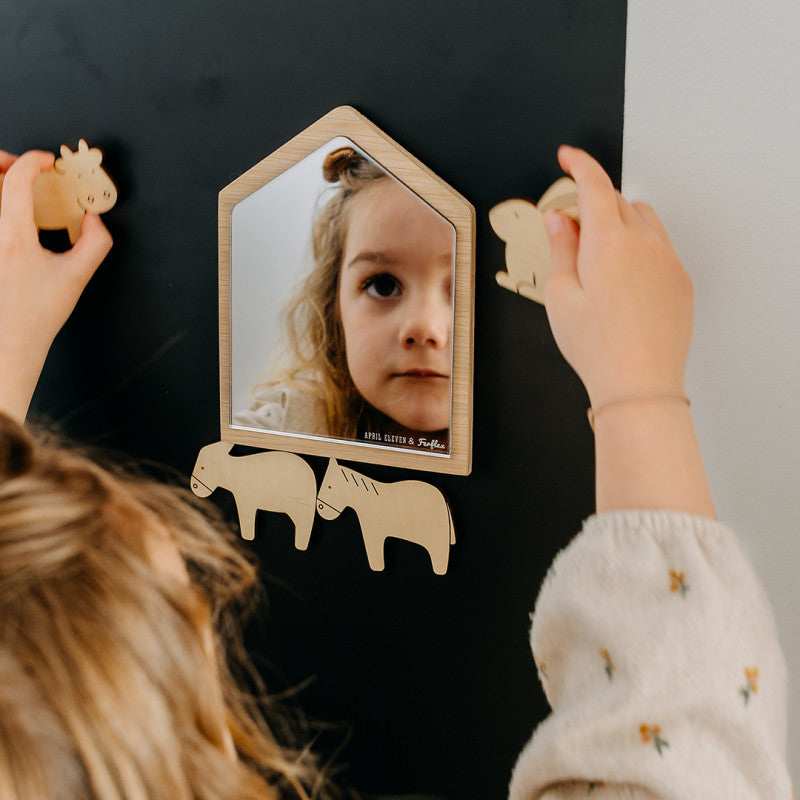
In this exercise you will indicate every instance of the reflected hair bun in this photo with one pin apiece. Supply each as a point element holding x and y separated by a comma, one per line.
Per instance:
<point>340,161</point>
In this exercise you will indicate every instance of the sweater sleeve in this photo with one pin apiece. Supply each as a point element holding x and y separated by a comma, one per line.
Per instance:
<point>658,654</point>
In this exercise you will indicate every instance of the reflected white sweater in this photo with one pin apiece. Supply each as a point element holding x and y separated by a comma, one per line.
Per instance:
<point>658,654</point>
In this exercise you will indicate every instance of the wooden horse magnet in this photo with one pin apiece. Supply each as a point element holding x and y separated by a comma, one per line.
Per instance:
<point>520,224</point>
<point>411,510</point>
<point>284,482</point>
<point>75,184</point>
<point>270,481</point>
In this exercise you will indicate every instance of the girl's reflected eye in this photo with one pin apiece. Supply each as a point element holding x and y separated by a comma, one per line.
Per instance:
<point>382,285</point>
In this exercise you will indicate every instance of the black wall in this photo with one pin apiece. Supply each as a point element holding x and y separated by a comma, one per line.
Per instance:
<point>432,675</point>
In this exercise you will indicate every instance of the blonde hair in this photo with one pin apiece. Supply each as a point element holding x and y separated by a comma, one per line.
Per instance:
<point>315,351</point>
<point>109,688</point>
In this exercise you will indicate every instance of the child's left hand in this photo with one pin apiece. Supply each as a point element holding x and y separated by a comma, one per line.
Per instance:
<point>38,288</point>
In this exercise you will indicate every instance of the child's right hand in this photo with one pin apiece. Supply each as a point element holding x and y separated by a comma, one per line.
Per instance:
<point>620,305</point>
<point>38,288</point>
<point>618,300</point>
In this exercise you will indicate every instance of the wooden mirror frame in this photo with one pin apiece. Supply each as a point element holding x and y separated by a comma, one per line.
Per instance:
<point>346,121</point>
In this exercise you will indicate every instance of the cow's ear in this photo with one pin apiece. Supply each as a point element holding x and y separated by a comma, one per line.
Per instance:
<point>92,155</point>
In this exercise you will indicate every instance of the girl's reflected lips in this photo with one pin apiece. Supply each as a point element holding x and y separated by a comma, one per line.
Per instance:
<point>420,373</point>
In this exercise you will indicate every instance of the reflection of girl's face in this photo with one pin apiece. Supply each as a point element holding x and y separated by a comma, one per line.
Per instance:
<point>396,304</point>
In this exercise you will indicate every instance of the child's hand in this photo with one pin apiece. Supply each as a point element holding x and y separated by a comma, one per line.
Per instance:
<point>38,288</point>
<point>618,299</point>
<point>620,305</point>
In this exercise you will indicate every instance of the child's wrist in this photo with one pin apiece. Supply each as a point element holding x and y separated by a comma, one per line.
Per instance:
<point>613,403</point>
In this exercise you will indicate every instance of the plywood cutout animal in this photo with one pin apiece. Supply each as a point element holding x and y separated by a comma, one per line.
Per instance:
<point>75,184</point>
<point>520,224</point>
<point>270,481</point>
<point>411,510</point>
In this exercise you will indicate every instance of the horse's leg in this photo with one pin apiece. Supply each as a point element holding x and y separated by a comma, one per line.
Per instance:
<point>439,547</point>
<point>247,519</point>
<point>303,519</point>
<point>373,543</point>
<point>439,558</point>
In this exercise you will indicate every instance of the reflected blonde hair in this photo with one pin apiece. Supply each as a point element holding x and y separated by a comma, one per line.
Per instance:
<point>110,689</point>
<point>314,356</point>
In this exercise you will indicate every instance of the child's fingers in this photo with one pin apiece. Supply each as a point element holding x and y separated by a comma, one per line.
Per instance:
<point>6,160</point>
<point>89,251</point>
<point>597,198</point>
<point>563,233</point>
<point>651,219</point>
<point>17,210</point>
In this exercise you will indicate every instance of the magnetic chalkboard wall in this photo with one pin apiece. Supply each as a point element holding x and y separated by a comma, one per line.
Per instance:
<point>431,675</point>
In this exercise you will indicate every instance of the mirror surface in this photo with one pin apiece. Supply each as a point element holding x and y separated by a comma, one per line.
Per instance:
<point>354,343</point>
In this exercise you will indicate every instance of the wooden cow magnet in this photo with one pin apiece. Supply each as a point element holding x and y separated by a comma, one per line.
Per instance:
<point>411,510</point>
<point>520,224</point>
<point>271,481</point>
<point>75,184</point>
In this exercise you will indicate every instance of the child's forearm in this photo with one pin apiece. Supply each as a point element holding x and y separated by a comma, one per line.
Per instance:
<point>38,288</point>
<point>647,456</point>
<point>19,374</point>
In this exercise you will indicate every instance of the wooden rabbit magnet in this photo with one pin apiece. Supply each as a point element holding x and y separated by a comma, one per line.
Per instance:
<point>75,184</point>
<point>520,224</point>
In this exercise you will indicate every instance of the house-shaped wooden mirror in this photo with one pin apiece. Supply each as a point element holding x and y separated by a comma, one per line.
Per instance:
<point>346,303</point>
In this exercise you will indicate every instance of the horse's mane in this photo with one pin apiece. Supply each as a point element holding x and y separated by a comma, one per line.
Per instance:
<point>360,480</point>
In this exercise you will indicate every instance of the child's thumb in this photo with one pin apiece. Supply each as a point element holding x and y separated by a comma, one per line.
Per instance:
<point>89,251</point>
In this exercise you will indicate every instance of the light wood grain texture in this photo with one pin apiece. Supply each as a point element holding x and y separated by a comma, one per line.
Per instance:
<point>346,121</point>
<point>275,481</point>
<point>520,224</point>
<point>75,184</point>
<point>414,511</point>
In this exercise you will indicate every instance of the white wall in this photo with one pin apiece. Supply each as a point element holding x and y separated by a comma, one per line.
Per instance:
<point>712,140</point>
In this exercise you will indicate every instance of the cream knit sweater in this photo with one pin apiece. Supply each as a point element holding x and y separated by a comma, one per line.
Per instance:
<point>658,654</point>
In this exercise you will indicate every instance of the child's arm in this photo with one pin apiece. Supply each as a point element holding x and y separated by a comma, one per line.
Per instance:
<point>654,640</point>
<point>38,288</point>
<point>620,305</point>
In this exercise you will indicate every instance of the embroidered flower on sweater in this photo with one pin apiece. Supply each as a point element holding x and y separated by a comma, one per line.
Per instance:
<point>751,687</point>
<point>652,734</point>
<point>541,668</point>
<point>677,582</point>
<point>610,667</point>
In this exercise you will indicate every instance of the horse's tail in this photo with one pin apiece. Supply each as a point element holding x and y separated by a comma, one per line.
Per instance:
<point>450,522</point>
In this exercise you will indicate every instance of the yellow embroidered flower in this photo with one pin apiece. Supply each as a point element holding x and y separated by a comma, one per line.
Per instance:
<point>751,687</point>
<point>652,733</point>
<point>677,582</point>
<point>610,666</point>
